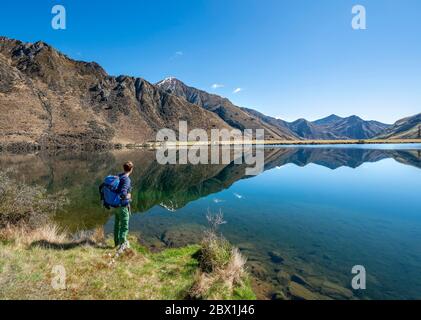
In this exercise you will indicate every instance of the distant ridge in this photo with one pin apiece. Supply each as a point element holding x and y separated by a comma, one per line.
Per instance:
<point>352,127</point>
<point>330,128</point>
<point>406,128</point>
<point>328,120</point>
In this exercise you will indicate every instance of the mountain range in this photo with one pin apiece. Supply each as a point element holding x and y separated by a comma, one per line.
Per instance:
<point>332,127</point>
<point>46,98</point>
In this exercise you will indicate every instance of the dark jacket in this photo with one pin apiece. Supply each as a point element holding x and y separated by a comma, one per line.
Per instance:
<point>124,188</point>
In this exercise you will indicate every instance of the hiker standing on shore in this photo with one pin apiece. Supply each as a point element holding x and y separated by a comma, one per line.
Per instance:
<point>122,213</point>
<point>115,193</point>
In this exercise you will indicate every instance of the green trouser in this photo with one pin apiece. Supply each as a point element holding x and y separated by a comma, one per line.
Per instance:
<point>121,225</point>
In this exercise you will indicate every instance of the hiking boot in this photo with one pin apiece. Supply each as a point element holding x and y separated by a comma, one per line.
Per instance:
<point>124,246</point>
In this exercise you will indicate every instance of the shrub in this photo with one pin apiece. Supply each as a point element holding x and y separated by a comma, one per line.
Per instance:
<point>25,205</point>
<point>222,267</point>
<point>215,252</point>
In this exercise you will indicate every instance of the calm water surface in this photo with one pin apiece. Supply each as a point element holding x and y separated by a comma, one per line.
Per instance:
<point>314,212</point>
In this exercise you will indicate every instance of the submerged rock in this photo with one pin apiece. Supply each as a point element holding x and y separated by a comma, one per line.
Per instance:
<point>283,278</point>
<point>182,235</point>
<point>275,257</point>
<point>335,291</point>
<point>246,246</point>
<point>326,257</point>
<point>279,295</point>
<point>298,279</point>
<point>299,292</point>
<point>258,270</point>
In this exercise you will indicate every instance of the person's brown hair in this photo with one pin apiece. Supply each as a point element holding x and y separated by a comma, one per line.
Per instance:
<point>128,166</point>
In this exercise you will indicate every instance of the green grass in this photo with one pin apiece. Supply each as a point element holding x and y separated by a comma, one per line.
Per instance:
<point>26,273</point>
<point>219,290</point>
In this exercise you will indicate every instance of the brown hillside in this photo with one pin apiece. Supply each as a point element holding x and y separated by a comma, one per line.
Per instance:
<point>47,98</point>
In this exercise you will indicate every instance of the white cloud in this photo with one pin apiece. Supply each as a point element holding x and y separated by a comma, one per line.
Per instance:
<point>217,86</point>
<point>237,90</point>
<point>177,55</point>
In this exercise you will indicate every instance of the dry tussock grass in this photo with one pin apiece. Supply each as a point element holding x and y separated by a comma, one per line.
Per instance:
<point>222,267</point>
<point>226,278</point>
<point>23,236</point>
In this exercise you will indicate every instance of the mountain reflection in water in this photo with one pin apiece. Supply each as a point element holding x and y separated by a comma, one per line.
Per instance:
<point>169,186</point>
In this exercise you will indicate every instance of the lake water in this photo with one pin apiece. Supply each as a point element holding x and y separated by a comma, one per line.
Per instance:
<point>314,213</point>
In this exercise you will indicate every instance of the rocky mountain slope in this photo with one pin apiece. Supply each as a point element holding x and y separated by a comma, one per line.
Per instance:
<point>352,127</point>
<point>407,128</point>
<point>308,130</point>
<point>47,98</point>
<point>233,115</point>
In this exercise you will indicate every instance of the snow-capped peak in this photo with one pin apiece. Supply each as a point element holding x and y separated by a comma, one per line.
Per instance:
<point>168,83</point>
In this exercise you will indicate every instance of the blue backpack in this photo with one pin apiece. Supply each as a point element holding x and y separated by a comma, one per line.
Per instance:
<point>108,190</point>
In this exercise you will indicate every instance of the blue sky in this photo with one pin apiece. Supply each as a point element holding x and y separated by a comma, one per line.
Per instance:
<point>291,58</point>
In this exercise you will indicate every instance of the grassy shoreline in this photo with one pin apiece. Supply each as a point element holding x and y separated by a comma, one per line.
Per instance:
<point>93,271</point>
<point>33,248</point>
